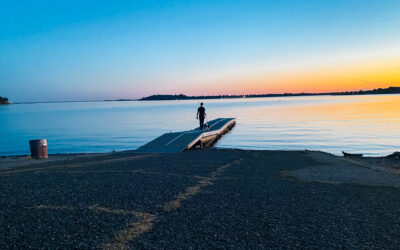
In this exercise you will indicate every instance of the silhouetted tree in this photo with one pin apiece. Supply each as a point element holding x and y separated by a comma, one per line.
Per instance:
<point>390,90</point>
<point>3,100</point>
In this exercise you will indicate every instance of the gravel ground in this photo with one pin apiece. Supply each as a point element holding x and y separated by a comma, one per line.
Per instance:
<point>388,164</point>
<point>334,169</point>
<point>199,199</point>
<point>26,160</point>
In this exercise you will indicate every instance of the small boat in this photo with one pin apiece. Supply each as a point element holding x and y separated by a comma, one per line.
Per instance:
<point>351,155</point>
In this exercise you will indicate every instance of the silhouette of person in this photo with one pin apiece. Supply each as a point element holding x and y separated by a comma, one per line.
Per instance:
<point>201,114</point>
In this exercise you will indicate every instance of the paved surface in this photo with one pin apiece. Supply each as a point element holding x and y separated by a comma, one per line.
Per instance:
<point>199,199</point>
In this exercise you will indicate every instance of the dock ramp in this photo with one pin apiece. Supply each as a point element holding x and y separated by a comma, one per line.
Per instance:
<point>180,141</point>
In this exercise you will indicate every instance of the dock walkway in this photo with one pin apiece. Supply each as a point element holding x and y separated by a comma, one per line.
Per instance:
<point>180,141</point>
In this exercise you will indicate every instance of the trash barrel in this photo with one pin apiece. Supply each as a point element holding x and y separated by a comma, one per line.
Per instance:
<point>38,148</point>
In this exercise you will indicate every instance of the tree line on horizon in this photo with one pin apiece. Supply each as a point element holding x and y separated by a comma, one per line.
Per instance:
<point>389,90</point>
<point>4,100</point>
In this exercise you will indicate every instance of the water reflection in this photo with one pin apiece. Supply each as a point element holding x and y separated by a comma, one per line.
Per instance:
<point>365,124</point>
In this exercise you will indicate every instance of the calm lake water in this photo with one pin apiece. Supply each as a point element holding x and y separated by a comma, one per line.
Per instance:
<point>359,124</point>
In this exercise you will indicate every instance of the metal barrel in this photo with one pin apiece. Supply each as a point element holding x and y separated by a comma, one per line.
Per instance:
<point>38,148</point>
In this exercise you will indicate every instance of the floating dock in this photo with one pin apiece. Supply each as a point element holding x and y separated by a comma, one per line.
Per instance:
<point>181,141</point>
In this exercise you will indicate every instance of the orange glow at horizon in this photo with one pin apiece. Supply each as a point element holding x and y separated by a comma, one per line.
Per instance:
<point>349,76</point>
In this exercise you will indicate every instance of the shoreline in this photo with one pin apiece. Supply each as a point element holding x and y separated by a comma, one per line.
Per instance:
<point>390,162</point>
<point>213,98</point>
<point>12,161</point>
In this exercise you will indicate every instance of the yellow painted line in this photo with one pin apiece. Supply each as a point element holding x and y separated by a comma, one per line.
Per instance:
<point>144,172</point>
<point>285,174</point>
<point>88,171</point>
<point>98,209</point>
<point>193,190</point>
<point>47,207</point>
<point>144,224</point>
<point>138,171</point>
<point>145,220</point>
<point>84,164</point>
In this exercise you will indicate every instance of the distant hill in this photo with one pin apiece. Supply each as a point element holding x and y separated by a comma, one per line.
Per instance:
<point>4,100</point>
<point>390,90</point>
<point>380,91</point>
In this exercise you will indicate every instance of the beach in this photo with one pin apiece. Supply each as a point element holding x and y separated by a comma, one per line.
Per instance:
<point>212,198</point>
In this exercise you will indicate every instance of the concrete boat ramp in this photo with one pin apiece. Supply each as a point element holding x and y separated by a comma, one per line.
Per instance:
<point>180,141</point>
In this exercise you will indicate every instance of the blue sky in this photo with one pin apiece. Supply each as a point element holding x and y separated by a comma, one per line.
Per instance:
<point>94,50</point>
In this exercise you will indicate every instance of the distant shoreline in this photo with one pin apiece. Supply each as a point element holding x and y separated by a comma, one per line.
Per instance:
<point>380,91</point>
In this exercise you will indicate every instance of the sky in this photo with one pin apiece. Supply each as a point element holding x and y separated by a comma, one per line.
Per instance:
<point>95,50</point>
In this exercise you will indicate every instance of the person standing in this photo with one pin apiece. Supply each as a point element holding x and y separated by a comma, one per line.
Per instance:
<point>201,114</point>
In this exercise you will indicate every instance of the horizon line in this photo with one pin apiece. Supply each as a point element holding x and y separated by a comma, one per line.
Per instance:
<point>217,96</point>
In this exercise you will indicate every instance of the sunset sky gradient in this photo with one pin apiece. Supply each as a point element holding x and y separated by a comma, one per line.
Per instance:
<point>95,50</point>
